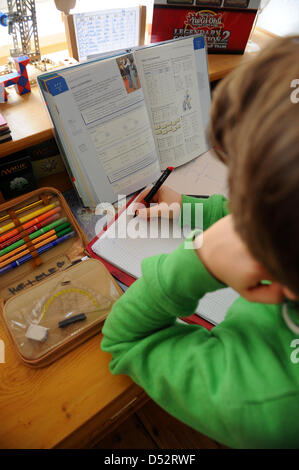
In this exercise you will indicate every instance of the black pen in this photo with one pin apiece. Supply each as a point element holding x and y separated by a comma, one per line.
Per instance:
<point>147,199</point>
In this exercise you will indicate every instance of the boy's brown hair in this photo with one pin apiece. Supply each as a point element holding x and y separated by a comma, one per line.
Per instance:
<point>255,131</point>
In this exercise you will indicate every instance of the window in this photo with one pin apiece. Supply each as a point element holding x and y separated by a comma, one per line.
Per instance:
<point>280,18</point>
<point>50,26</point>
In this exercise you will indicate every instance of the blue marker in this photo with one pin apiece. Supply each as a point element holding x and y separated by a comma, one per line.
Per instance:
<point>40,250</point>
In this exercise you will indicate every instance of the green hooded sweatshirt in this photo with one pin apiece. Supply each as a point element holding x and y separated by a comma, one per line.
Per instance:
<point>239,382</point>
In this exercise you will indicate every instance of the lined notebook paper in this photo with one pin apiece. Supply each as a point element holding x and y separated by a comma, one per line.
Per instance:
<point>127,254</point>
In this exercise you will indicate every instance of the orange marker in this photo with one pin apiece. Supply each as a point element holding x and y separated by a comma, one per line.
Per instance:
<point>29,224</point>
<point>23,209</point>
<point>36,246</point>
<point>23,247</point>
<point>29,216</point>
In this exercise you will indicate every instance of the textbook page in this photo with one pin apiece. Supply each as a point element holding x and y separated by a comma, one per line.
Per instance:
<point>176,88</point>
<point>128,253</point>
<point>104,126</point>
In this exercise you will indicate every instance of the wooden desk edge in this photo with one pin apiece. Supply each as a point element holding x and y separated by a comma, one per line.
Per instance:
<point>218,75</point>
<point>21,144</point>
<point>92,431</point>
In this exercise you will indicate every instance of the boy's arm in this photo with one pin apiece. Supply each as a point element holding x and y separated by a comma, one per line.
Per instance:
<point>213,208</point>
<point>148,344</point>
<point>214,381</point>
<point>211,380</point>
<point>182,367</point>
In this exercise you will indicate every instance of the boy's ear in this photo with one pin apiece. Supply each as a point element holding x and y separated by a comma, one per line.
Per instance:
<point>289,294</point>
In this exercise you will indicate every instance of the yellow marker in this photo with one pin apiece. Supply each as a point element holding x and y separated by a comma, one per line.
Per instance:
<point>30,216</point>
<point>23,209</point>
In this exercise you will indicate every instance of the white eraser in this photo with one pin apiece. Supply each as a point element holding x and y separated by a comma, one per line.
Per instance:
<point>37,333</point>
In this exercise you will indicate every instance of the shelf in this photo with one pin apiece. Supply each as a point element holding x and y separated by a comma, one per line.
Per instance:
<point>27,119</point>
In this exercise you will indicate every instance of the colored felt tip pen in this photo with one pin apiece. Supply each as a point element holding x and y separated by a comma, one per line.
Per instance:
<point>50,228</point>
<point>147,199</point>
<point>29,224</point>
<point>40,250</point>
<point>30,216</point>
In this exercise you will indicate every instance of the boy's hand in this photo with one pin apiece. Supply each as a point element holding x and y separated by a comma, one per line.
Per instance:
<point>168,204</point>
<point>227,258</point>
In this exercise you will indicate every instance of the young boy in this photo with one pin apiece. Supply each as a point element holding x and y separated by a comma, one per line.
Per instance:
<point>239,382</point>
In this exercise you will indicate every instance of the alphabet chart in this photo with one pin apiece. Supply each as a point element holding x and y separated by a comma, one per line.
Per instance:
<point>106,30</point>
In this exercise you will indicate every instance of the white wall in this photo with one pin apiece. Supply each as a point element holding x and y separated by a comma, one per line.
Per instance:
<point>280,17</point>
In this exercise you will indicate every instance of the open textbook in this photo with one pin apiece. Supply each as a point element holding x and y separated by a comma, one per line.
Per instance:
<point>121,120</point>
<point>129,240</point>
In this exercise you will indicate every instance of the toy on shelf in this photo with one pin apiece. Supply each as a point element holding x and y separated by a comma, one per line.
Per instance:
<point>19,78</point>
<point>20,19</point>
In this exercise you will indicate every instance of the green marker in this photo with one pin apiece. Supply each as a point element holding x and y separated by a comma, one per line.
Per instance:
<point>64,232</point>
<point>57,225</point>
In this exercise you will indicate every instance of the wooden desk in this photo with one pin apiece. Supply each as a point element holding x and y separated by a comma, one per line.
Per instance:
<point>222,64</point>
<point>28,120</point>
<point>76,400</point>
<point>69,404</point>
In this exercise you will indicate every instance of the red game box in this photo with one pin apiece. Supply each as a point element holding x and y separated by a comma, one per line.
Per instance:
<point>226,24</point>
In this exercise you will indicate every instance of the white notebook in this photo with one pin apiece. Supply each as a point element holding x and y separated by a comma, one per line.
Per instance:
<point>127,254</point>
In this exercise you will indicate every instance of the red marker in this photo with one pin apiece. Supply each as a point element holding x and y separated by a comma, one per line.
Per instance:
<point>29,230</point>
<point>157,185</point>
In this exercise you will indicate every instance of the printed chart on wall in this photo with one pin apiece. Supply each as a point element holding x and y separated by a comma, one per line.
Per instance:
<point>104,31</point>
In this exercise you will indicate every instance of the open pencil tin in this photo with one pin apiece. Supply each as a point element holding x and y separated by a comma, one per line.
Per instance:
<point>60,297</point>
